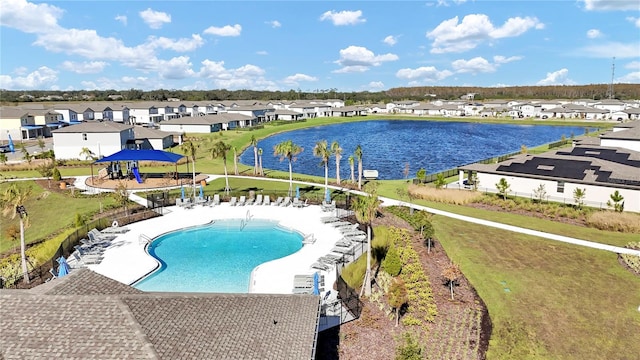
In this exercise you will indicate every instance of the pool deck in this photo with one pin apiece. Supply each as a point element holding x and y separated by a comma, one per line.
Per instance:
<point>126,260</point>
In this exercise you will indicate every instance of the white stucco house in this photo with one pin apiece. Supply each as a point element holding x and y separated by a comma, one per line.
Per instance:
<point>152,139</point>
<point>626,136</point>
<point>102,138</point>
<point>206,124</point>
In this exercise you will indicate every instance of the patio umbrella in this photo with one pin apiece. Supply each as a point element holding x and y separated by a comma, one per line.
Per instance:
<point>201,192</point>
<point>182,192</point>
<point>297,192</point>
<point>316,284</point>
<point>63,269</point>
<point>327,196</point>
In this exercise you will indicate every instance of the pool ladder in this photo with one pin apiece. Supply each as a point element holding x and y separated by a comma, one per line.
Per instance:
<point>144,239</point>
<point>245,221</point>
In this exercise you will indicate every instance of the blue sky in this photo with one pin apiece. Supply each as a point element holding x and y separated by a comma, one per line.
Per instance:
<point>316,45</point>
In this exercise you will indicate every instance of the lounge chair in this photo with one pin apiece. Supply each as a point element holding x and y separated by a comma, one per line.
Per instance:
<point>329,219</point>
<point>309,239</point>
<point>320,266</point>
<point>85,260</point>
<point>344,250</point>
<point>286,201</point>
<point>249,201</point>
<point>216,199</point>
<point>329,206</point>
<point>233,201</point>
<point>242,201</point>
<point>266,201</point>
<point>100,236</point>
<point>344,243</point>
<point>278,201</point>
<point>258,200</point>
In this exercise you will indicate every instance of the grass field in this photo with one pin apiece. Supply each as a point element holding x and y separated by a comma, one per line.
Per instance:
<point>547,299</point>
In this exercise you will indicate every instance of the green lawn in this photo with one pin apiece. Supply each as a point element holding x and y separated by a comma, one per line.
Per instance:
<point>562,302</point>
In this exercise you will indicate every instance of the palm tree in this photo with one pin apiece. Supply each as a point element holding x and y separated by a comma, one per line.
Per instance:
<point>358,155</point>
<point>337,152</point>
<point>254,143</point>
<point>235,160</point>
<point>12,201</point>
<point>288,150</point>
<point>220,150</point>
<point>366,209</point>
<point>260,162</point>
<point>351,164</point>
<point>190,150</point>
<point>86,152</point>
<point>322,151</point>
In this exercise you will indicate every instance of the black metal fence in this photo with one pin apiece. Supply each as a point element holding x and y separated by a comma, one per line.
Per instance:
<point>41,273</point>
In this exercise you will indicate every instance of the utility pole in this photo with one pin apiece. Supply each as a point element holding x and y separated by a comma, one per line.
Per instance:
<point>613,70</point>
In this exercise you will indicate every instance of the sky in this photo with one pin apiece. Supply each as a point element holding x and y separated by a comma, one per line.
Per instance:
<point>316,46</point>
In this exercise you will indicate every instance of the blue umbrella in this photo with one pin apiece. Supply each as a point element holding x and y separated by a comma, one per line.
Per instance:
<point>182,192</point>
<point>327,196</point>
<point>63,269</point>
<point>316,284</point>
<point>201,192</point>
<point>297,192</point>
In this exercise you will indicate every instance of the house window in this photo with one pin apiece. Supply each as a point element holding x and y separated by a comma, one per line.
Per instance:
<point>561,186</point>
<point>84,137</point>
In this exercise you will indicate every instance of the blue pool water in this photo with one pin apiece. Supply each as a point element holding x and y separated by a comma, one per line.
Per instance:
<point>388,145</point>
<point>217,257</point>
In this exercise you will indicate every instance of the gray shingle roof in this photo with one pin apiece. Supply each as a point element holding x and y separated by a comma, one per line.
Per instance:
<point>88,316</point>
<point>95,127</point>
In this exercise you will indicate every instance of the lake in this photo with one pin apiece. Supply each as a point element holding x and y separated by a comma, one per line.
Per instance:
<point>388,145</point>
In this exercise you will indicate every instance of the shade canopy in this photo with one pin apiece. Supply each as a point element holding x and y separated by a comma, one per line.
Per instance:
<point>142,155</point>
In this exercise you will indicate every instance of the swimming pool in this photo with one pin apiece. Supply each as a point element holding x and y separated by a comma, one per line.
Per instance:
<point>217,257</point>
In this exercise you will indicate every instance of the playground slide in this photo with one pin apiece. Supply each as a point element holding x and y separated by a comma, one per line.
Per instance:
<point>137,175</point>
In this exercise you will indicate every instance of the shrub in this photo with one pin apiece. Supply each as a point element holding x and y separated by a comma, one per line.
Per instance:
<point>632,261</point>
<point>615,221</point>
<point>409,349</point>
<point>56,174</point>
<point>391,263</point>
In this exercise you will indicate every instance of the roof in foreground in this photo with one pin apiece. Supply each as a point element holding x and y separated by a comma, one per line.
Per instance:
<point>64,319</point>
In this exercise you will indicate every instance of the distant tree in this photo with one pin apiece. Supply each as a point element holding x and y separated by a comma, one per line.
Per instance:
<point>352,166</point>
<point>451,274</point>
<point>392,263</point>
<point>578,196</point>
<point>121,196</point>
<point>56,174</point>
<point>421,174</point>
<point>540,193</point>
<point>190,150</point>
<point>503,188</point>
<point>41,144</point>
<point>397,296</point>
<point>220,150</point>
<point>616,202</point>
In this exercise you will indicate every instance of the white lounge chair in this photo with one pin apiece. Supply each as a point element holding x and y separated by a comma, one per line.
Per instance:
<point>278,201</point>
<point>258,200</point>
<point>216,200</point>
<point>286,201</point>
<point>267,200</point>
<point>242,201</point>
<point>233,201</point>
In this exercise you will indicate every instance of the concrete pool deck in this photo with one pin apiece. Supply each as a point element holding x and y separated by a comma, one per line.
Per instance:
<point>127,260</point>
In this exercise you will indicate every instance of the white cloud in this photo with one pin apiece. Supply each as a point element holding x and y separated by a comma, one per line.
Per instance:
<point>180,45</point>
<point>35,80</point>
<point>605,50</point>
<point>499,59</point>
<point>603,5</point>
<point>155,19</point>
<point>559,77</point>
<point>593,33</point>
<point>245,77</point>
<point>633,65</point>
<point>453,36</point>
<point>343,17</point>
<point>630,78</point>
<point>29,17</point>
<point>21,70</point>
<point>474,66</point>
<point>274,23</point>
<point>87,67</point>
<point>175,68</point>
<point>226,30</point>
<point>390,40</point>
<point>634,20</point>
<point>423,74</point>
<point>122,19</point>
<point>360,59</point>
<point>375,85</point>
<point>262,52</point>
<point>294,80</point>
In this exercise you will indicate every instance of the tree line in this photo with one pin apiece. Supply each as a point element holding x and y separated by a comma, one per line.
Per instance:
<point>419,93</point>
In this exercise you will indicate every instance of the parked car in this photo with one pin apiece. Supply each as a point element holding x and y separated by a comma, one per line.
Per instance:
<point>4,149</point>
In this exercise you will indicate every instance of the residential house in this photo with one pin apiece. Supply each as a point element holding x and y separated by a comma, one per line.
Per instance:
<point>101,138</point>
<point>152,139</point>
<point>144,112</point>
<point>18,123</point>
<point>206,124</point>
<point>283,114</point>
<point>426,109</point>
<point>626,136</point>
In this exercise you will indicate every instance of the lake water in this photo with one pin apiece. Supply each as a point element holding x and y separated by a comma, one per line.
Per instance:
<point>388,145</point>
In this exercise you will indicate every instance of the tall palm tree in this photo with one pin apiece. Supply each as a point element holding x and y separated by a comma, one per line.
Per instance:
<point>288,150</point>
<point>254,143</point>
<point>358,155</point>
<point>235,160</point>
<point>366,209</point>
<point>351,164</point>
<point>190,151</point>
<point>260,162</point>
<point>322,151</point>
<point>336,150</point>
<point>220,150</point>
<point>12,201</point>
